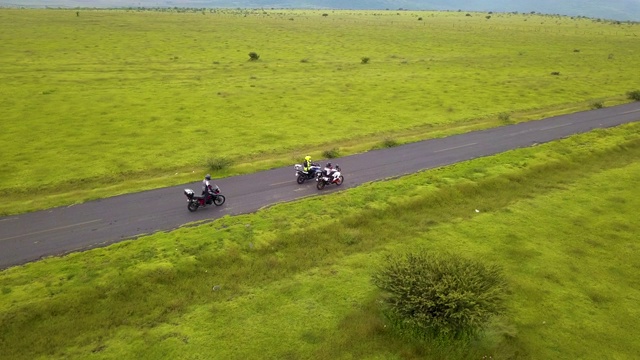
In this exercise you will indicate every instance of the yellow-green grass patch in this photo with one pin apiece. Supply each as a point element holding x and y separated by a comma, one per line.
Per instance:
<point>293,281</point>
<point>116,101</point>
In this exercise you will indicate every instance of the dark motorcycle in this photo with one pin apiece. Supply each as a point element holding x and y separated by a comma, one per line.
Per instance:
<point>196,201</point>
<point>302,176</point>
<point>335,177</point>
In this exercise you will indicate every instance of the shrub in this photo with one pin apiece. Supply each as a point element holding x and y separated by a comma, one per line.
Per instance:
<point>389,143</point>
<point>253,56</point>
<point>364,60</point>
<point>634,95</point>
<point>331,154</point>
<point>218,163</point>
<point>440,296</point>
<point>505,118</point>
<point>597,105</point>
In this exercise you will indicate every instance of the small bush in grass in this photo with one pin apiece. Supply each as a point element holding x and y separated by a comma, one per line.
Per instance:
<point>364,60</point>
<point>505,118</point>
<point>634,95</point>
<point>218,163</point>
<point>253,56</point>
<point>389,143</point>
<point>331,154</point>
<point>597,105</point>
<point>440,296</point>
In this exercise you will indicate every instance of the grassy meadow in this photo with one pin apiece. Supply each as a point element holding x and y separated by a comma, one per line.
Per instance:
<point>103,102</point>
<point>294,281</point>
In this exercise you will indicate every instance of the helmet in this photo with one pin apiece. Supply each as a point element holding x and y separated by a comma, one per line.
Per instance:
<point>208,177</point>
<point>328,164</point>
<point>307,157</point>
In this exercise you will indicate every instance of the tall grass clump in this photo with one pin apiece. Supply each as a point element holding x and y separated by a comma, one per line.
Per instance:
<point>390,142</point>
<point>331,153</point>
<point>634,95</point>
<point>505,118</point>
<point>218,163</point>
<point>440,296</point>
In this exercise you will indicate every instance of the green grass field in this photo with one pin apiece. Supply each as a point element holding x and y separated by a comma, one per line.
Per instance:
<point>116,101</point>
<point>294,281</point>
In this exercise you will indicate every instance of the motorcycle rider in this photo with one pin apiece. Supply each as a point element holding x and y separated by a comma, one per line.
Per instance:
<point>207,188</point>
<point>306,165</point>
<point>329,171</point>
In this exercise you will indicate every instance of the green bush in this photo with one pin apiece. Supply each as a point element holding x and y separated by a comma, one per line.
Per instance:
<point>364,60</point>
<point>505,118</point>
<point>390,142</point>
<point>218,163</point>
<point>597,105</point>
<point>634,95</point>
<point>253,56</point>
<point>331,154</point>
<point>440,296</point>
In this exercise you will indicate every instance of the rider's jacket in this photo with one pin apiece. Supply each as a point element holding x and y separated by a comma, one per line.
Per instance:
<point>206,186</point>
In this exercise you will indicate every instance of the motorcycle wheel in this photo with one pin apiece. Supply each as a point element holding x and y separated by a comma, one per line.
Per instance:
<point>301,179</point>
<point>320,185</point>
<point>219,200</point>
<point>340,180</point>
<point>193,206</point>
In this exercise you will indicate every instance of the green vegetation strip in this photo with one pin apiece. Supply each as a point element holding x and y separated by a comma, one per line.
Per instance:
<point>293,281</point>
<point>115,101</point>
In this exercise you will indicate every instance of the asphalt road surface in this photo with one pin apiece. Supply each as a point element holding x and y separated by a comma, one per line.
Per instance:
<point>32,236</point>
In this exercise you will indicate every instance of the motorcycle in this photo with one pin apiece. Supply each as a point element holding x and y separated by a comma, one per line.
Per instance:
<point>302,176</point>
<point>334,178</point>
<point>196,201</point>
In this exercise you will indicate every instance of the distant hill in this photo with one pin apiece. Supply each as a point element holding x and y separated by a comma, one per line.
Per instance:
<point>624,10</point>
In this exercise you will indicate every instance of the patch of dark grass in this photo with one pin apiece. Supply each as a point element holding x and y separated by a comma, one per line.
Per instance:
<point>331,153</point>
<point>598,297</point>
<point>218,163</point>
<point>389,143</point>
<point>505,118</point>
<point>597,105</point>
<point>634,95</point>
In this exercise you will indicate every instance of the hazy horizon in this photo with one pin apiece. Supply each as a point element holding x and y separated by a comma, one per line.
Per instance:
<point>624,10</point>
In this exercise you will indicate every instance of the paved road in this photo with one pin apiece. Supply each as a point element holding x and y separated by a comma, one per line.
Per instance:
<point>31,236</point>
